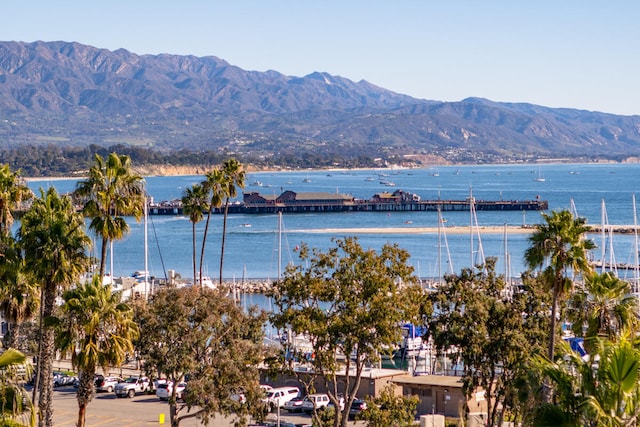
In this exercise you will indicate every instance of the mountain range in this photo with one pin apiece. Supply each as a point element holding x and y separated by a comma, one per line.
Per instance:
<point>67,93</point>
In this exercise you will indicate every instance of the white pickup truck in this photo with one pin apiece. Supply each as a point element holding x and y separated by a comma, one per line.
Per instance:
<point>132,386</point>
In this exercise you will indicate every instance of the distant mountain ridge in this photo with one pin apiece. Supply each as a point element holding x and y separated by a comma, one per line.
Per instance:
<point>69,93</point>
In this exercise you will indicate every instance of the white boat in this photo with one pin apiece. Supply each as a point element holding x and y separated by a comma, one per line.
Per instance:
<point>206,282</point>
<point>539,177</point>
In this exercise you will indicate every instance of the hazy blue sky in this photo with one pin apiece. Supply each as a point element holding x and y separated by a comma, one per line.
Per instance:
<point>560,53</point>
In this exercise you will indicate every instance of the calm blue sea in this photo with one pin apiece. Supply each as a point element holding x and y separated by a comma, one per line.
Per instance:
<point>252,241</point>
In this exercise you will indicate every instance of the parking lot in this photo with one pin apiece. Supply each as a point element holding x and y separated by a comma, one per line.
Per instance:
<point>108,410</point>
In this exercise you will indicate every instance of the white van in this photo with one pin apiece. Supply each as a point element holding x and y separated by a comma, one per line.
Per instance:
<point>277,397</point>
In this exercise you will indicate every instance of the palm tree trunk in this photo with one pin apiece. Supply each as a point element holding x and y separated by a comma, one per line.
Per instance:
<point>204,240</point>
<point>103,258</point>
<point>554,309</point>
<point>14,333</point>
<point>48,349</point>
<point>193,239</point>
<point>224,235</point>
<point>86,392</point>
<point>38,373</point>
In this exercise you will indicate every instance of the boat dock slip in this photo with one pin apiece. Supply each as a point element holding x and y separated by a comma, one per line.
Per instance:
<point>320,202</point>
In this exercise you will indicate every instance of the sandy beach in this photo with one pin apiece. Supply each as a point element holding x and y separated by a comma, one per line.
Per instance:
<point>418,230</point>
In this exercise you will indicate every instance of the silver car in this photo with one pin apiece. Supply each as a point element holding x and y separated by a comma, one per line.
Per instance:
<point>107,384</point>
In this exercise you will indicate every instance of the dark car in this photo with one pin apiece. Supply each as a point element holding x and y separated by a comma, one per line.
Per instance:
<point>357,406</point>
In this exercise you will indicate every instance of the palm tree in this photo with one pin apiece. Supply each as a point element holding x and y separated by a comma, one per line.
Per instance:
<point>605,306</point>
<point>12,192</point>
<point>13,396</point>
<point>194,204</point>
<point>111,191</point>
<point>53,239</point>
<point>603,390</point>
<point>97,329</point>
<point>233,174</point>
<point>559,244</point>
<point>213,186</point>
<point>19,299</point>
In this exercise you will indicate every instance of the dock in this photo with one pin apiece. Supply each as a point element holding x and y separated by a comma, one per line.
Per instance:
<point>321,202</point>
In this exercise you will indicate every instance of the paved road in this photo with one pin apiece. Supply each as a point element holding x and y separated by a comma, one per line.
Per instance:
<point>108,410</point>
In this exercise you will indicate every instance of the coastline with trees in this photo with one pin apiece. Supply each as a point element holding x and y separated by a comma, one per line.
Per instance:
<point>347,301</point>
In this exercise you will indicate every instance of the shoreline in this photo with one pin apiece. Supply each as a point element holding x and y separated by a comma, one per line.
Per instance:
<point>185,170</point>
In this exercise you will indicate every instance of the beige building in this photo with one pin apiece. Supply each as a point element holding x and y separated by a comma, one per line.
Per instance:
<point>438,394</point>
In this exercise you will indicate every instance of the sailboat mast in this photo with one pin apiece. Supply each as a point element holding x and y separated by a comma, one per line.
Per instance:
<point>146,249</point>
<point>279,245</point>
<point>636,267</point>
<point>439,247</point>
<point>603,234</point>
<point>507,273</point>
<point>471,208</point>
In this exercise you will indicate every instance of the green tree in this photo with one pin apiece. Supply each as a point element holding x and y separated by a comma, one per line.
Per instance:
<point>233,175</point>
<point>214,187</point>
<point>348,301</point>
<point>480,325</point>
<point>111,191</point>
<point>203,334</point>
<point>390,410</point>
<point>96,328</point>
<point>194,204</point>
<point>52,236</point>
<point>605,306</point>
<point>19,298</point>
<point>559,245</point>
<point>12,191</point>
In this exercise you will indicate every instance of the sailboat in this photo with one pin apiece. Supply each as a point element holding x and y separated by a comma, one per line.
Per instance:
<point>477,257</point>
<point>539,177</point>
<point>442,237</point>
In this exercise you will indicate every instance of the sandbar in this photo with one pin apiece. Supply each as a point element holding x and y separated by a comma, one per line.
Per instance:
<point>419,230</point>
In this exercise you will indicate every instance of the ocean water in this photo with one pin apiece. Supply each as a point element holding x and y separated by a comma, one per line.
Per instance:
<point>253,241</point>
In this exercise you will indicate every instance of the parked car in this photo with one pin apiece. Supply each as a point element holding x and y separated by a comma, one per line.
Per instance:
<point>76,382</point>
<point>156,382</point>
<point>294,405</point>
<point>132,386</point>
<point>62,379</point>
<point>357,406</point>
<point>317,401</point>
<point>340,401</point>
<point>274,424</point>
<point>266,388</point>
<point>165,389</point>
<point>240,396</point>
<point>107,384</point>
<point>277,397</point>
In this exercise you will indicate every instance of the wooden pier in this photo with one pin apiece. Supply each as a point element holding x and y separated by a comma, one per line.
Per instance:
<point>291,203</point>
<point>370,206</point>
